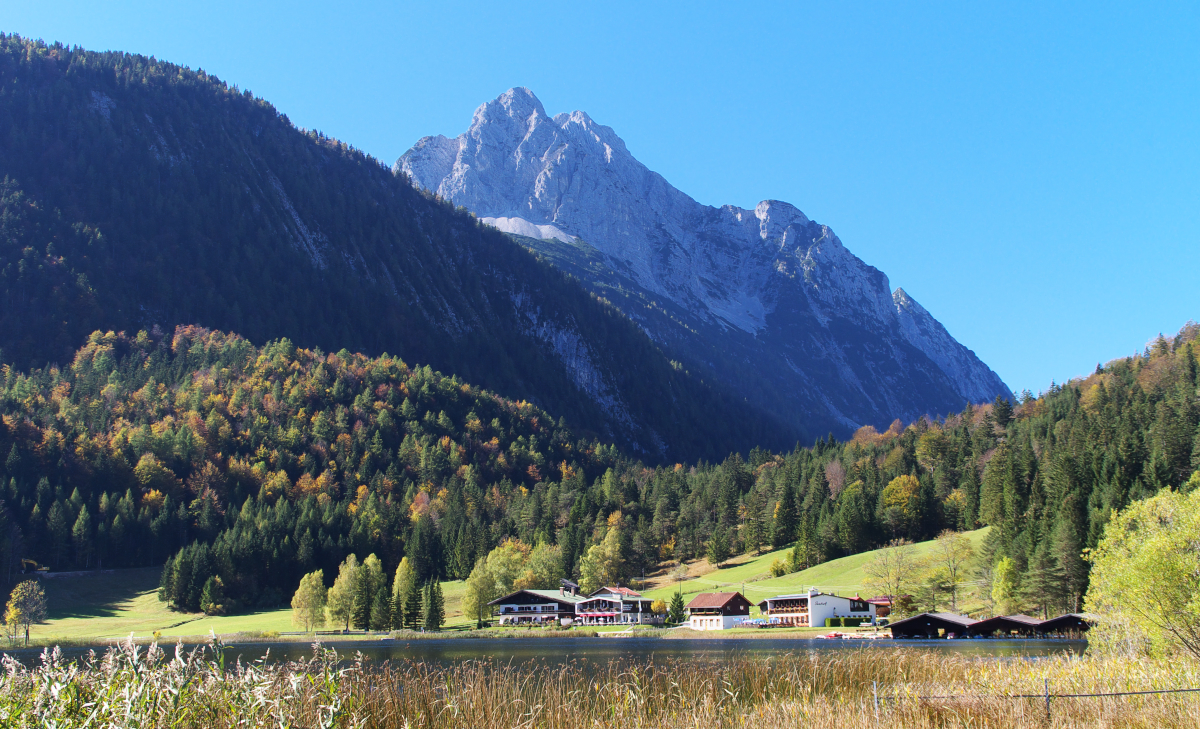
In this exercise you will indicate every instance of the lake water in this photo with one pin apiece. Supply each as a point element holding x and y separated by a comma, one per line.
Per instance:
<point>555,651</point>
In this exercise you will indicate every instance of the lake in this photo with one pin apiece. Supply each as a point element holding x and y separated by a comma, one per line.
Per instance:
<point>556,651</point>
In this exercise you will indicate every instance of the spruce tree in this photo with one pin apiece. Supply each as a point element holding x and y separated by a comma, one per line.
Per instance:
<point>784,528</point>
<point>675,613</point>
<point>412,606</point>
<point>432,606</point>
<point>381,614</point>
<point>396,608</point>
<point>718,547</point>
<point>360,616</point>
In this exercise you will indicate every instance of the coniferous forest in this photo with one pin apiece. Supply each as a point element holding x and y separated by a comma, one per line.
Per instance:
<point>172,393</point>
<point>259,465</point>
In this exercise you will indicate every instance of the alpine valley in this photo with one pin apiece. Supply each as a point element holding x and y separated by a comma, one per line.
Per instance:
<point>249,352</point>
<point>765,301</point>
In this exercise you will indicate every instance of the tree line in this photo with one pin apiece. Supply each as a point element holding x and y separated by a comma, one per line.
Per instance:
<point>250,467</point>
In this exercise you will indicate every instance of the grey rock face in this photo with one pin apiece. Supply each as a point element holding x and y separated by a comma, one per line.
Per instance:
<point>766,300</point>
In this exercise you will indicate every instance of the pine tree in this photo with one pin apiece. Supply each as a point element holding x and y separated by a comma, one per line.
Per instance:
<point>675,613</point>
<point>363,597</point>
<point>433,607</point>
<point>718,547</point>
<point>783,530</point>
<point>396,607</point>
<point>381,614</point>
<point>412,606</point>
<point>212,598</point>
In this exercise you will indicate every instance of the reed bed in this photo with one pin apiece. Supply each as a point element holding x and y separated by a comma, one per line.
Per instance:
<point>146,687</point>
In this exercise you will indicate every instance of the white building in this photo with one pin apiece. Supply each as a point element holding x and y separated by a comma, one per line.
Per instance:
<point>613,605</point>
<point>813,608</point>
<point>536,606</point>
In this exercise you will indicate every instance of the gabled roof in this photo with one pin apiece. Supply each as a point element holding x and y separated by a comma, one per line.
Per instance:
<point>617,591</point>
<point>624,594</point>
<point>1070,620</point>
<point>925,619</point>
<point>715,599</point>
<point>1006,622</point>
<point>552,595</point>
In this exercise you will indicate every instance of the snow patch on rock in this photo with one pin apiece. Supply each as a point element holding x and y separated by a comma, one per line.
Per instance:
<point>521,226</point>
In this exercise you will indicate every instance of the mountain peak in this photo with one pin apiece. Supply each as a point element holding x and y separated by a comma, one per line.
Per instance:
<point>517,103</point>
<point>818,318</point>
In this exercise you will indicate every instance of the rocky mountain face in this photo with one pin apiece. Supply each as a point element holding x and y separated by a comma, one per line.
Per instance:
<point>765,300</point>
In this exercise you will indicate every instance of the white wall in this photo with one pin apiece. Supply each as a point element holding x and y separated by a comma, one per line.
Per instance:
<point>715,622</point>
<point>821,607</point>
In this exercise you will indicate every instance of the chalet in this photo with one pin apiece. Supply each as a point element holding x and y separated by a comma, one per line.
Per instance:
<point>813,608</point>
<point>537,606</point>
<point>1004,626</point>
<point>614,605</point>
<point>932,625</point>
<point>717,610</point>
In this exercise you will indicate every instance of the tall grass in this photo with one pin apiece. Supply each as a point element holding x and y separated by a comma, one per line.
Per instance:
<point>145,687</point>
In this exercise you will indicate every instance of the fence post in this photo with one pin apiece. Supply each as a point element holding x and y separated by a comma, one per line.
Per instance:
<point>1047,699</point>
<point>875,695</point>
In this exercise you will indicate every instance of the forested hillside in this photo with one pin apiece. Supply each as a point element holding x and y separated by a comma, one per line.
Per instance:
<point>139,194</point>
<point>269,462</point>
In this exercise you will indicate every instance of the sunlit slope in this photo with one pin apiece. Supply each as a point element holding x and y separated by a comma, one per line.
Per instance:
<point>842,576</point>
<point>114,604</point>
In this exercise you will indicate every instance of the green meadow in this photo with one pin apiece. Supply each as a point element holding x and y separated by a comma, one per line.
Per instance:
<point>112,605</point>
<point>752,577</point>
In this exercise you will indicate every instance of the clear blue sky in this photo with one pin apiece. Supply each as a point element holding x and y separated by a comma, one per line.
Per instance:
<point>1030,174</point>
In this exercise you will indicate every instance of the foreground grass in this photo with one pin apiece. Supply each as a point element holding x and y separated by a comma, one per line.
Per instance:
<point>133,686</point>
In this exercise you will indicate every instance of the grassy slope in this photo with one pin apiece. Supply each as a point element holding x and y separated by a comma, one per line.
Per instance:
<point>840,576</point>
<point>116,604</point>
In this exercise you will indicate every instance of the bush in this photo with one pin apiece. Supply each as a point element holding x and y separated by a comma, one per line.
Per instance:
<point>853,622</point>
<point>833,622</point>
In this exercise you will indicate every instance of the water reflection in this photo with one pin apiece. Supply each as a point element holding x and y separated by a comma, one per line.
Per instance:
<point>557,651</point>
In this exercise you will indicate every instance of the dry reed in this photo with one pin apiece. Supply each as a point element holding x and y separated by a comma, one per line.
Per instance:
<point>134,686</point>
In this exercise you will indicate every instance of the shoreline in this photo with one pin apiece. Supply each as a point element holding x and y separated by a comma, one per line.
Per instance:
<point>349,642</point>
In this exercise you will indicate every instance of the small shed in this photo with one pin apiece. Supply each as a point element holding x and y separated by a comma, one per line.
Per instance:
<point>932,625</point>
<point>1003,626</point>
<point>1071,623</point>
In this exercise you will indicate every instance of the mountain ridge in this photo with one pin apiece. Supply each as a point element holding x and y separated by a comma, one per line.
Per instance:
<point>820,317</point>
<point>140,194</point>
